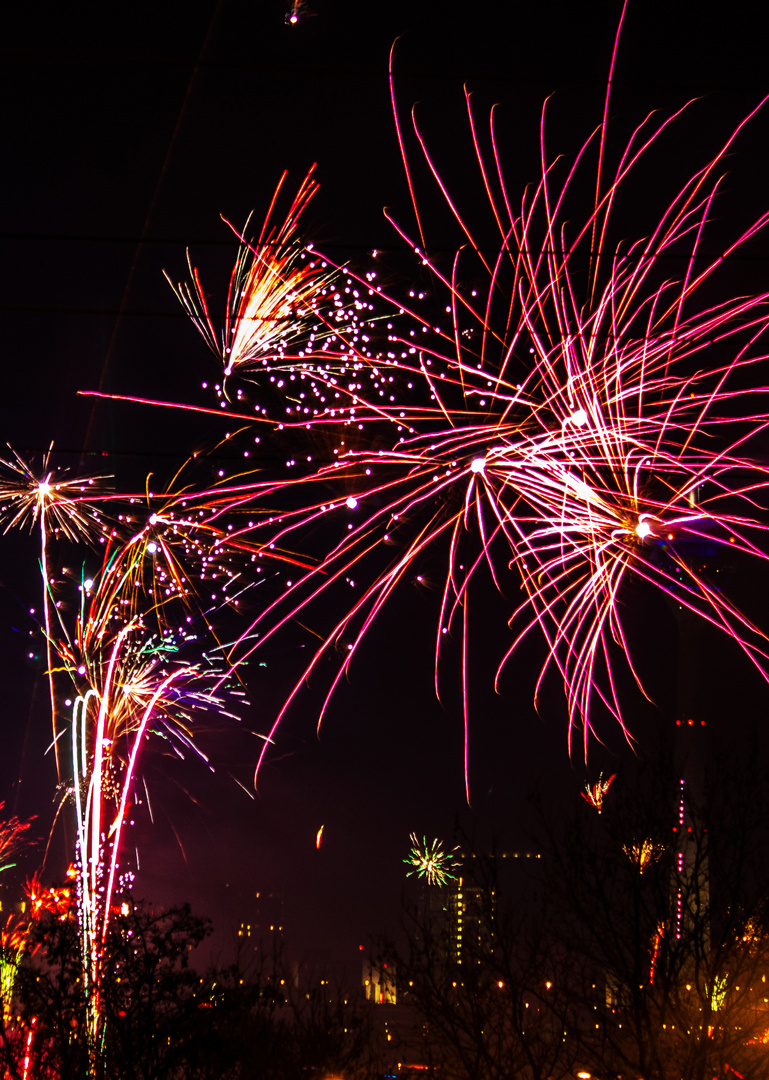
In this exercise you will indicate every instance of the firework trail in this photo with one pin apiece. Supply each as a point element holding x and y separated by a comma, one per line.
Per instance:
<point>137,661</point>
<point>60,507</point>
<point>109,723</point>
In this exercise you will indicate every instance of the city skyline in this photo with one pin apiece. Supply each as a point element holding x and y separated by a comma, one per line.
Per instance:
<point>156,161</point>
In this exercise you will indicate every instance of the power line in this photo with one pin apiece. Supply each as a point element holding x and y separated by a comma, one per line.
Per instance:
<point>286,70</point>
<point>363,249</point>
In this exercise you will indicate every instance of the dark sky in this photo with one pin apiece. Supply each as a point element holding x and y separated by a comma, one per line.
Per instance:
<point>126,131</point>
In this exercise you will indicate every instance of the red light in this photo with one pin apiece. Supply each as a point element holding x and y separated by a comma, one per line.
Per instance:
<point>691,723</point>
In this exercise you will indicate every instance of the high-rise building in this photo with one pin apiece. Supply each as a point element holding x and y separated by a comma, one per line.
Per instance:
<point>471,911</point>
<point>380,982</point>
<point>259,921</point>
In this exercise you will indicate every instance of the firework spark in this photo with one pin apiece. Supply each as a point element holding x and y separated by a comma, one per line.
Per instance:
<point>12,939</point>
<point>596,793</point>
<point>273,296</point>
<point>644,854</point>
<point>15,934</point>
<point>431,861</point>
<point>654,949</point>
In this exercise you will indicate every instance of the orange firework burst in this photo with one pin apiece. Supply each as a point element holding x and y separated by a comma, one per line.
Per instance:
<point>274,290</point>
<point>644,854</point>
<point>596,793</point>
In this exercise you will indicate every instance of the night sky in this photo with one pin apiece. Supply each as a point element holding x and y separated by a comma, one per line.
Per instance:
<point>126,132</point>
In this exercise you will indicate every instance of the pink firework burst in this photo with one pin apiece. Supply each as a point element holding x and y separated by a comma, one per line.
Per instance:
<point>583,414</point>
<point>592,439</point>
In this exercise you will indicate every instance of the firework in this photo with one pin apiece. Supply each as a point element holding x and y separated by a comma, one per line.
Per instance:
<point>142,663</point>
<point>644,854</point>
<point>11,832</point>
<point>596,793</point>
<point>430,861</point>
<point>139,687</point>
<point>139,671</point>
<point>15,934</point>
<point>585,443</point>
<point>654,949</point>
<point>575,419</point>
<point>61,507</point>
<point>11,951</point>
<point>718,993</point>
<point>297,10</point>
<point>273,295</point>
<point>620,452</point>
